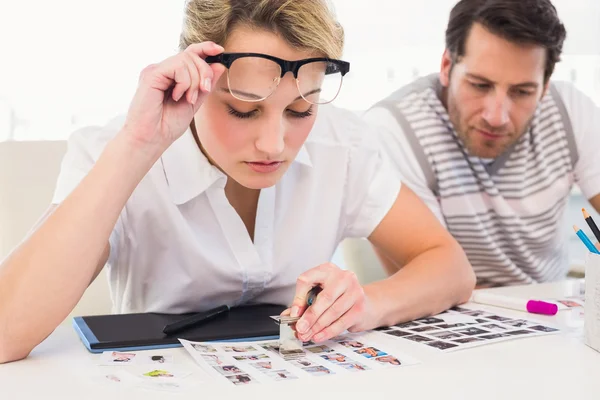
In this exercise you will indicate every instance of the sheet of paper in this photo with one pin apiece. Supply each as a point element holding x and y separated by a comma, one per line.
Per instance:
<point>134,358</point>
<point>462,328</point>
<point>163,379</point>
<point>246,363</point>
<point>568,302</point>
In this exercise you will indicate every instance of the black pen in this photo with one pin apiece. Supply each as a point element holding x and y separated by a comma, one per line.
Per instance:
<point>195,319</point>
<point>312,295</point>
<point>591,224</point>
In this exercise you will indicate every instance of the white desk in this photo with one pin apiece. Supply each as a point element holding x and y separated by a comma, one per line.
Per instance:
<point>548,367</point>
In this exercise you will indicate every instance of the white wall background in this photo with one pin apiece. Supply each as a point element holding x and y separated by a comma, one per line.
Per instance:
<point>66,63</point>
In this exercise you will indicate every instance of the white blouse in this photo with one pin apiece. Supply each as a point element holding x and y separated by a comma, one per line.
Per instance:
<point>179,246</point>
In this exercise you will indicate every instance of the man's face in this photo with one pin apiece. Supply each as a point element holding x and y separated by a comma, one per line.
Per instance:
<point>493,91</point>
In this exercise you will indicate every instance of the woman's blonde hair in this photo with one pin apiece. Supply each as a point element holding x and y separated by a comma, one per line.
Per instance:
<point>303,24</point>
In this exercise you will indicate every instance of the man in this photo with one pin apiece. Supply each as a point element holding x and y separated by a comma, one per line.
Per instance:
<point>492,145</point>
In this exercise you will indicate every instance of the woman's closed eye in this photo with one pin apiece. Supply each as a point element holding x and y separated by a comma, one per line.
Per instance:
<point>301,114</point>
<point>241,115</point>
<point>254,113</point>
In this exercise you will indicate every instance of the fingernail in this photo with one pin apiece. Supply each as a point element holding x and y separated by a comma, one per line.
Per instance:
<point>207,84</point>
<point>318,337</point>
<point>302,326</point>
<point>295,312</point>
<point>194,97</point>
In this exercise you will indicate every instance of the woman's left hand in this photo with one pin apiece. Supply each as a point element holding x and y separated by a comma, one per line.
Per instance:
<point>342,304</point>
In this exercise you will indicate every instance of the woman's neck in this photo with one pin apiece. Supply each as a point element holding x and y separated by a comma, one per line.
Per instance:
<point>245,203</point>
<point>243,200</point>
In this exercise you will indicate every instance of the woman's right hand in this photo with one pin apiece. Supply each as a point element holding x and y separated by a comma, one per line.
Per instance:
<point>169,94</point>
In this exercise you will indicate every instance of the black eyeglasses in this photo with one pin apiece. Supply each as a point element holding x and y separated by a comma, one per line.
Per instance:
<point>255,76</point>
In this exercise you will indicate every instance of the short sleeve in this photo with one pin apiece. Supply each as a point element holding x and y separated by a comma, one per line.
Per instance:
<point>76,164</point>
<point>584,115</point>
<point>371,189</point>
<point>402,158</point>
<point>83,150</point>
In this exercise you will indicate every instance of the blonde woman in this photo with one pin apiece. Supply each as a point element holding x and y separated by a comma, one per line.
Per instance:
<point>230,182</point>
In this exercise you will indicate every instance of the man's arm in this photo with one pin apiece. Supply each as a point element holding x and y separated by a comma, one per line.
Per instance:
<point>436,273</point>
<point>404,162</point>
<point>584,116</point>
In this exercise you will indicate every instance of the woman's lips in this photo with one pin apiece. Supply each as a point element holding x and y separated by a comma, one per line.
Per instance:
<point>264,166</point>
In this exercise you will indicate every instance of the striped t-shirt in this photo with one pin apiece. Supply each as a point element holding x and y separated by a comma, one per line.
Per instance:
<point>506,213</point>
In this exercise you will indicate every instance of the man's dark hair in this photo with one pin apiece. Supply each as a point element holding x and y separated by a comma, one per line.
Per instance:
<point>519,21</point>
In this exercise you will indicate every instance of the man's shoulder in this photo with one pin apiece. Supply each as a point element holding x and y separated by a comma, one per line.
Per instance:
<point>569,93</point>
<point>420,85</point>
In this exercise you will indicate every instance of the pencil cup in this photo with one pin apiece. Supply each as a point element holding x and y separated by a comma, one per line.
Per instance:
<point>592,301</point>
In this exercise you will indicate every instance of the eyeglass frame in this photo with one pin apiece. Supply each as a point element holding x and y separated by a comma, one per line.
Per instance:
<point>286,66</point>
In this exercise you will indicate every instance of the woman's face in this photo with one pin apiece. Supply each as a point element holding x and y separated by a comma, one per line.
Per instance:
<point>254,143</point>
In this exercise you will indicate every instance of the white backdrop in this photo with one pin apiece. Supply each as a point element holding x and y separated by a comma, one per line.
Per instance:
<point>67,63</point>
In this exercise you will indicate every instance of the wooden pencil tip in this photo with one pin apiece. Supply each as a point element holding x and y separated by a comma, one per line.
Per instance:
<point>575,228</point>
<point>585,213</point>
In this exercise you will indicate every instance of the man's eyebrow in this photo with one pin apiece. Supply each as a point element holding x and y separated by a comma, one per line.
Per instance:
<point>533,85</point>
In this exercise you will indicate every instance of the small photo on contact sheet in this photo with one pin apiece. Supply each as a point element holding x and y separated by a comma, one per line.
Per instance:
<point>212,359</point>
<point>430,320</point>
<point>354,366</point>
<point>253,357</point>
<point>318,370</point>
<point>418,338</point>
<point>228,370</point>
<point>494,336</point>
<point>281,375</point>
<point>438,344</point>
<point>274,347</point>
<point>383,328</point>
<point>335,357</point>
<point>239,349</point>
<point>495,328</point>
<point>518,323</point>
<point>263,365</point>
<point>445,335</point>
<point>370,352</point>
<point>542,328</point>
<point>477,313</point>
<point>303,363</point>
<point>426,328</point>
<point>452,326</point>
<point>466,340</point>
<point>406,325</point>
<point>498,318</point>
<point>319,349</point>
<point>519,332</point>
<point>351,344</point>
<point>398,333</point>
<point>202,348</point>
<point>240,379</point>
<point>391,360</point>
<point>471,331</point>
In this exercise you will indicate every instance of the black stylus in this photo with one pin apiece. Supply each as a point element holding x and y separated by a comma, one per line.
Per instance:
<point>195,319</point>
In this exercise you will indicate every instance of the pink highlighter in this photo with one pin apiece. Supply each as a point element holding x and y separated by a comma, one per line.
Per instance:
<point>515,303</point>
<point>541,307</point>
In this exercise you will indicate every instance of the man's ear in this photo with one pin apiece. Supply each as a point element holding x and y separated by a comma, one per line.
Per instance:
<point>445,68</point>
